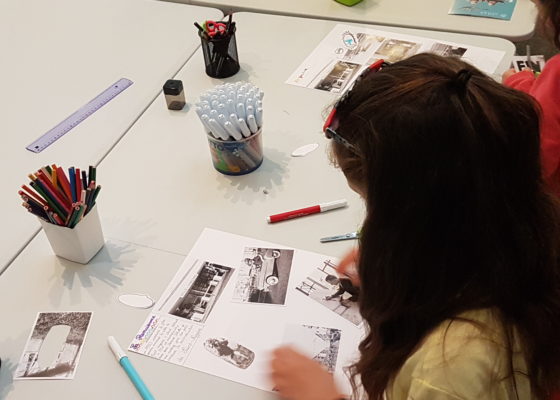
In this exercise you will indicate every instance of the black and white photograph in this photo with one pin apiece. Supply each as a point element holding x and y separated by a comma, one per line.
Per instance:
<point>447,50</point>
<point>394,50</point>
<point>320,344</point>
<point>336,293</point>
<point>54,347</point>
<point>199,298</point>
<point>338,76</point>
<point>263,276</point>
<point>229,351</point>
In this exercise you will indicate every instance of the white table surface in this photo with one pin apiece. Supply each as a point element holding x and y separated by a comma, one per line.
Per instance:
<point>56,56</point>
<point>421,14</point>
<point>160,191</point>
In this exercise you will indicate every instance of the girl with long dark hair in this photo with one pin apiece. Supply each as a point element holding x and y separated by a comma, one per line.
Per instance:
<point>458,266</point>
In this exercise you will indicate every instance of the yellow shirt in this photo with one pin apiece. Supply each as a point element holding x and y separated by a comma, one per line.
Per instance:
<point>464,360</point>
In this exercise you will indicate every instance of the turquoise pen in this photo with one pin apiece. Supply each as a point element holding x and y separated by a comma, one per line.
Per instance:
<point>129,369</point>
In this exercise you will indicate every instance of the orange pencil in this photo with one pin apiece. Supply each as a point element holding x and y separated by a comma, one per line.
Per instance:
<point>54,180</point>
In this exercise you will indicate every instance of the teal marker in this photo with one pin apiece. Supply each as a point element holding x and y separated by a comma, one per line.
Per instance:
<point>123,360</point>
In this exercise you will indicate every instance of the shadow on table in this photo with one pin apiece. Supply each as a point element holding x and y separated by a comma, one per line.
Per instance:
<point>9,365</point>
<point>106,271</point>
<point>266,179</point>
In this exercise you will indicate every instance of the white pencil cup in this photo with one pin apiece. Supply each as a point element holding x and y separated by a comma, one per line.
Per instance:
<point>79,244</point>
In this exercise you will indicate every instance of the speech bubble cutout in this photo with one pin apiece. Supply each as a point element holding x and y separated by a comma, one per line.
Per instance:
<point>136,300</point>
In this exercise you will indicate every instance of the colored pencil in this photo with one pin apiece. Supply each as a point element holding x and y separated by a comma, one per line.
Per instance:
<point>59,200</point>
<point>37,185</point>
<point>94,197</point>
<point>54,178</point>
<point>64,184</point>
<point>90,175</point>
<point>78,184</point>
<point>72,176</point>
<point>64,203</point>
<point>34,195</point>
<point>84,180</point>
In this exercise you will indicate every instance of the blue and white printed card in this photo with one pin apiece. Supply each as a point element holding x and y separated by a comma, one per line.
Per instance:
<point>498,9</point>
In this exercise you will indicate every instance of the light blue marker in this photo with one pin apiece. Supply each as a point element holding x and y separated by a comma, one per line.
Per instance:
<point>123,360</point>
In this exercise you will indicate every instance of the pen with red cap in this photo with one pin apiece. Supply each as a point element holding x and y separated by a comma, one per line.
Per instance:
<point>319,208</point>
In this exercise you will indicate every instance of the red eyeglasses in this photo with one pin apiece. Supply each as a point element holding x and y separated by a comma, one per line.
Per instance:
<point>331,123</point>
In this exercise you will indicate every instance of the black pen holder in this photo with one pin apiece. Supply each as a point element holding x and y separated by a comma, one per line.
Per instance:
<point>220,54</point>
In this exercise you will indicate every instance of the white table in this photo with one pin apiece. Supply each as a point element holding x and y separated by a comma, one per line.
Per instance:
<point>58,55</point>
<point>160,191</point>
<point>431,14</point>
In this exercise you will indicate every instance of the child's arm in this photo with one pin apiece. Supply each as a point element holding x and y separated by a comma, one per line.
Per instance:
<point>522,81</point>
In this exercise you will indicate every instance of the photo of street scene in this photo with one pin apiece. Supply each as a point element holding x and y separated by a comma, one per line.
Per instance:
<point>231,352</point>
<point>320,344</point>
<point>263,276</point>
<point>337,76</point>
<point>67,332</point>
<point>447,50</point>
<point>199,298</point>
<point>394,50</point>
<point>337,294</point>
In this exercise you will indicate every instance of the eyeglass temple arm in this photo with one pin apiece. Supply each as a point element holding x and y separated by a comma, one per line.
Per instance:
<point>329,119</point>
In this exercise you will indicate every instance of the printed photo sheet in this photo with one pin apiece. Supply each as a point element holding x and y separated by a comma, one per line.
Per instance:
<point>347,50</point>
<point>234,300</point>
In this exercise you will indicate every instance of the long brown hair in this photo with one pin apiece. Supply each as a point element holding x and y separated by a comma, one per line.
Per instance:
<point>457,216</point>
<point>549,19</point>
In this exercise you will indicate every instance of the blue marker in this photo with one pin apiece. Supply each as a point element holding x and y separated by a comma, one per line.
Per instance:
<point>129,369</point>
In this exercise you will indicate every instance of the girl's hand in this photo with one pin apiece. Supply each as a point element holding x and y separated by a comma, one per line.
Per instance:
<point>347,267</point>
<point>297,377</point>
<point>507,74</point>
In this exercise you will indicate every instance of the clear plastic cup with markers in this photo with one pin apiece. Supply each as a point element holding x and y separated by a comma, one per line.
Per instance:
<point>232,116</point>
<point>236,157</point>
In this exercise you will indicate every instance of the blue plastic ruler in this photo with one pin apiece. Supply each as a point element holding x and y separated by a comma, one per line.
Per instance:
<point>76,118</point>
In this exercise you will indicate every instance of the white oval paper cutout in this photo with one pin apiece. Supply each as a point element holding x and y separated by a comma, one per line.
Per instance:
<point>136,300</point>
<point>304,150</point>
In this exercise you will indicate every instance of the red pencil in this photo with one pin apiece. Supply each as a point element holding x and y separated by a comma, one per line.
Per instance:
<point>58,220</point>
<point>58,193</point>
<point>34,195</point>
<point>63,182</point>
<point>78,184</point>
<point>52,192</point>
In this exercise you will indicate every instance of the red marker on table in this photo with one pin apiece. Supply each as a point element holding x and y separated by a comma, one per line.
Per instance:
<point>307,211</point>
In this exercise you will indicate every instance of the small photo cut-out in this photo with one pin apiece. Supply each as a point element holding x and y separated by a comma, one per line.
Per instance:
<point>54,347</point>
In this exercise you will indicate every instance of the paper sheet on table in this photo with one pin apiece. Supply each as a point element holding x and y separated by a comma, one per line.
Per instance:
<point>347,50</point>
<point>199,322</point>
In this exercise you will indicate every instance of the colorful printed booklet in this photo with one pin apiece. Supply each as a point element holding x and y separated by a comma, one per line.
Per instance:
<point>498,9</point>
